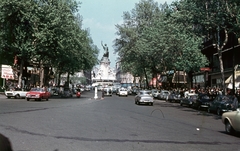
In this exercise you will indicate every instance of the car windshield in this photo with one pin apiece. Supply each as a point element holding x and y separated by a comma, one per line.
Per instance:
<point>205,97</point>
<point>193,97</point>
<point>36,89</point>
<point>226,99</point>
<point>145,92</point>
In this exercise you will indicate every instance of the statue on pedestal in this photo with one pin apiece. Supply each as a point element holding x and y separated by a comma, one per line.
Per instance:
<point>106,53</point>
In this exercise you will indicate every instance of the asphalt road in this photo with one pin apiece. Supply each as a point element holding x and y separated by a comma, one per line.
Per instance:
<point>110,124</point>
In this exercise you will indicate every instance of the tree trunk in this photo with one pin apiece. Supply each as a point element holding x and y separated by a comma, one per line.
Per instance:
<point>219,49</point>
<point>20,75</point>
<point>41,74</point>
<point>222,70</point>
<point>67,82</point>
<point>59,79</point>
<point>146,78</point>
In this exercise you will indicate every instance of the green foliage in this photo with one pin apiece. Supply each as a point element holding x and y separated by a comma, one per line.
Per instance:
<point>46,32</point>
<point>152,40</point>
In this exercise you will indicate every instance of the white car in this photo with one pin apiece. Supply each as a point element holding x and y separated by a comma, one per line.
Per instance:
<point>231,120</point>
<point>15,94</point>
<point>163,95</point>
<point>122,92</point>
<point>144,97</point>
<point>155,93</point>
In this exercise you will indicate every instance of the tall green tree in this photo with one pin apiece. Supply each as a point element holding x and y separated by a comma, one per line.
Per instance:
<point>151,40</point>
<point>214,20</point>
<point>46,33</point>
<point>17,31</point>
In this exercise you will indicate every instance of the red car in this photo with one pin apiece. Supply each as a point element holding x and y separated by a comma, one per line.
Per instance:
<point>38,94</point>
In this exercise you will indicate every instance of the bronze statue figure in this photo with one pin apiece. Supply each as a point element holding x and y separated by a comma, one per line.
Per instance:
<point>106,53</point>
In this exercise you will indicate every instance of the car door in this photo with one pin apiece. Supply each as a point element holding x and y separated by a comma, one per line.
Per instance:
<point>216,103</point>
<point>236,121</point>
<point>45,93</point>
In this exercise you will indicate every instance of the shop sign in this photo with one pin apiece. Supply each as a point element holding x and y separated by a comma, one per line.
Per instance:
<point>205,69</point>
<point>7,72</point>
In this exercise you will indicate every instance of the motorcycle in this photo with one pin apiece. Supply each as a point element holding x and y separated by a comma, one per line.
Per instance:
<point>78,93</point>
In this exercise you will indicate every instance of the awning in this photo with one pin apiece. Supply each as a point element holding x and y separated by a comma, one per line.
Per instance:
<point>237,78</point>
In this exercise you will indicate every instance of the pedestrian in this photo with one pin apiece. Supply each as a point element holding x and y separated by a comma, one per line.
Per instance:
<point>5,144</point>
<point>235,103</point>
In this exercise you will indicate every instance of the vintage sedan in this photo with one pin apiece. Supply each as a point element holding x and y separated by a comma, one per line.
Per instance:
<point>174,97</point>
<point>17,94</point>
<point>188,100</point>
<point>38,94</point>
<point>107,91</point>
<point>122,92</point>
<point>231,120</point>
<point>155,93</point>
<point>163,95</point>
<point>144,97</point>
<point>202,102</point>
<point>221,104</point>
<point>67,92</point>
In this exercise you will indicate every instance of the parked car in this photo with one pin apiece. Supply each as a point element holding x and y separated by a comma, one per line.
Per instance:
<point>54,91</point>
<point>122,92</point>
<point>15,94</point>
<point>202,102</point>
<point>221,104</point>
<point>67,92</point>
<point>174,97</point>
<point>107,91</point>
<point>144,97</point>
<point>188,100</point>
<point>231,120</point>
<point>163,95</point>
<point>155,93</point>
<point>38,94</point>
<point>136,91</point>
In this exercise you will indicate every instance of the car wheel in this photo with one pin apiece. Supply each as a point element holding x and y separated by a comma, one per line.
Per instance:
<point>46,99</point>
<point>17,96</point>
<point>8,97</point>
<point>27,99</point>
<point>180,104</point>
<point>137,103</point>
<point>228,128</point>
<point>219,112</point>
<point>151,104</point>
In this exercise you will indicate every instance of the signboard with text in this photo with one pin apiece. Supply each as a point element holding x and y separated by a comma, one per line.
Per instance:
<point>7,72</point>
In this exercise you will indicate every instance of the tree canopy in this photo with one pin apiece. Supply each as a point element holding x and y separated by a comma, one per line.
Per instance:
<point>46,32</point>
<point>151,40</point>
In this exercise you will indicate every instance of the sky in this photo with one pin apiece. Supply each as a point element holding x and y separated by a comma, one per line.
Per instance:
<point>101,16</point>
